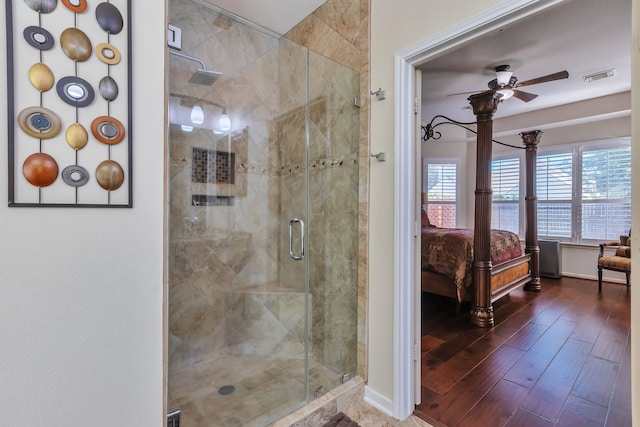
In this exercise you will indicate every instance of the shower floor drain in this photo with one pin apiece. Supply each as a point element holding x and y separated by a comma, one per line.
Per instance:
<point>226,389</point>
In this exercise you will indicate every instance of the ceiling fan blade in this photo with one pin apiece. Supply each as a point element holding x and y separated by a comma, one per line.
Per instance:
<point>464,93</point>
<point>524,96</point>
<point>548,78</point>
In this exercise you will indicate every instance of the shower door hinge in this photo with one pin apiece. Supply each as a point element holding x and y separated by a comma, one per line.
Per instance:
<point>356,102</point>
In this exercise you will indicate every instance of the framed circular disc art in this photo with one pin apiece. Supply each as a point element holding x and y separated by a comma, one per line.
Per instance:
<point>69,103</point>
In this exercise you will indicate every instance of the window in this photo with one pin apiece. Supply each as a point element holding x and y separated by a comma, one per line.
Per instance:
<point>606,193</point>
<point>441,189</point>
<point>554,189</point>
<point>505,183</point>
<point>583,192</point>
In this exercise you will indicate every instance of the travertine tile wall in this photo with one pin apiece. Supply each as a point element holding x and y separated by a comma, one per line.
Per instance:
<point>216,253</point>
<point>339,30</point>
<point>239,245</point>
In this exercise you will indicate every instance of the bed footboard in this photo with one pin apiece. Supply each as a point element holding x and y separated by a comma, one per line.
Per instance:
<point>509,275</point>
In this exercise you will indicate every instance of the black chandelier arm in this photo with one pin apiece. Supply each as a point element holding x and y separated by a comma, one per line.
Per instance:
<point>429,131</point>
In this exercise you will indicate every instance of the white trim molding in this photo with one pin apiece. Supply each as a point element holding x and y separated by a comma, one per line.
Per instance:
<point>378,401</point>
<point>406,61</point>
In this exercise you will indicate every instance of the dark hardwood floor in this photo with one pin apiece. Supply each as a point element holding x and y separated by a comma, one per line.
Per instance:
<point>560,357</point>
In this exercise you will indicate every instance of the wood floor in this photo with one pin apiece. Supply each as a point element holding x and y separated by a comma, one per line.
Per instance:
<point>560,357</point>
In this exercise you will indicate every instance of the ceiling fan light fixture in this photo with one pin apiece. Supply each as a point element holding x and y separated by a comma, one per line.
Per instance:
<point>506,94</point>
<point>600,75</point>
<point>503,77</point>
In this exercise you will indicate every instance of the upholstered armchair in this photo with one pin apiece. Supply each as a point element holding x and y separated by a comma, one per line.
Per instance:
<point>621,261</point>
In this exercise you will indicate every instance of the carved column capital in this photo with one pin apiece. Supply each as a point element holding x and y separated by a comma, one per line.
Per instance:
<point>531,138</point>
<point>485,104</point>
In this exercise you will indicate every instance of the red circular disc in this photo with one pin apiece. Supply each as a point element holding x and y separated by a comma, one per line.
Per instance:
<point>40,169</point>
<point>107,130</point>
<point>77,6</point>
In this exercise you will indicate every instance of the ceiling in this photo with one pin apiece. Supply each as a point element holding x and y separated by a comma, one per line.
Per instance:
<point>581,36</point>
<point>278,16</point>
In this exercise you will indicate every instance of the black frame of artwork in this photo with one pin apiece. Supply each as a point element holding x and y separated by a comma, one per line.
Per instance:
<point>102,175</point>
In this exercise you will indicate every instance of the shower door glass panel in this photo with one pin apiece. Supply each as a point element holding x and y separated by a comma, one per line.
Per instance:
<point>238,301</point>
<point>333,222</point>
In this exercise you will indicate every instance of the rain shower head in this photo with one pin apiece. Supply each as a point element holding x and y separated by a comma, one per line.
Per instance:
<point>202,76</point>
<point>205,77</point>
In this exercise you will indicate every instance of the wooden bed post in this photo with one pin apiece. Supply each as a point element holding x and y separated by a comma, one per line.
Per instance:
<point>530,140</point>
<point>484,106</point>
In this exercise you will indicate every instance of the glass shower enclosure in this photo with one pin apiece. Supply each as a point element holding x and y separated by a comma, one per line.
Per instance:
<point>263,221</point>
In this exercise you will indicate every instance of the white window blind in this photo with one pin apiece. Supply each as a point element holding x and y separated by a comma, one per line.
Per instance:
<point>606,193</point>
<point>505,183</point>
<point>554,189</point>
<point>442,194</point>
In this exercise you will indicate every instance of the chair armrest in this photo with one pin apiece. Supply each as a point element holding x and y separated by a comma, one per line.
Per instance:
<point>602,246</point>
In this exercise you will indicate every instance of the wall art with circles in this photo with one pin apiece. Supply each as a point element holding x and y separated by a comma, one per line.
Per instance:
<point>69,103</point>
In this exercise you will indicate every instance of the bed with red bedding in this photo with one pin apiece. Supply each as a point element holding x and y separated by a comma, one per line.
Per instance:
<point>490,279</point>
<point>448,252</point>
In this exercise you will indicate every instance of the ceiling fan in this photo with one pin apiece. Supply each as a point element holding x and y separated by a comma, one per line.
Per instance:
<point>507,84</point>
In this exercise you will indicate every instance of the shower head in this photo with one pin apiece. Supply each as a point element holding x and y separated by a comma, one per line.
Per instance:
<point>205,77</point>
<point>202,76</point>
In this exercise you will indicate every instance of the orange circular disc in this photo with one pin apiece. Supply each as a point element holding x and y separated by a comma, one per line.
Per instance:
<point>107,130</point>
<point>40,169</point>
<point>77,6</point>
<point>109,175</point>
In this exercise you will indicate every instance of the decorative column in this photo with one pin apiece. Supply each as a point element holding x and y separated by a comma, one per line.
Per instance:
<point>484,106</point>
<point>530,140</point>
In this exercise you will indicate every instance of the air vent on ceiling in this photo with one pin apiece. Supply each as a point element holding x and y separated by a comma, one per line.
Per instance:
<point>599,75</point>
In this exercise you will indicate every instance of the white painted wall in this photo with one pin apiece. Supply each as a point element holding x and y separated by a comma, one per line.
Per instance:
<point>394,26</point>
<point>81,290</point>
<point>635,211</point>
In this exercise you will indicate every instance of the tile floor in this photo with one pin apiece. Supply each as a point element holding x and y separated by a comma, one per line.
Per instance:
<point>263,390</point>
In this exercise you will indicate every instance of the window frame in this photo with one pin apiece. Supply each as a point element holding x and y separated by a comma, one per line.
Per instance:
<point>582,148</point>
<point>425,176</point>
<point>577,151</point>
<point>521,187</point>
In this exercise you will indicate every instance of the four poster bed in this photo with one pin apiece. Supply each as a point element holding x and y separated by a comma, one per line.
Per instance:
<point>483,265</point>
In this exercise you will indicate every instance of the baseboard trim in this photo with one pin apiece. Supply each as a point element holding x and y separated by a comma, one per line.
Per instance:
<point>378,401</point>
<point>588,277</point>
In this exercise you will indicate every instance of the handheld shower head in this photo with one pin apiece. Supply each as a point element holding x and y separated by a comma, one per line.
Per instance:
<point>202,76</point>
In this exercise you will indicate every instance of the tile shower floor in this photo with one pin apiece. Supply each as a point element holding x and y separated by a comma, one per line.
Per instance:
<point>264,389</point>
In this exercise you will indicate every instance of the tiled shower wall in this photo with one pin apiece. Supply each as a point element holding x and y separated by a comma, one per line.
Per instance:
<point>333,204</point>
<point>340,30</point>
<point>220,254</point>
<point>217,252</point>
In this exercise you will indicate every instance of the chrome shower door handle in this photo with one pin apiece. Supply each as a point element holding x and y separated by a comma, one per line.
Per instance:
<point>292,254</point>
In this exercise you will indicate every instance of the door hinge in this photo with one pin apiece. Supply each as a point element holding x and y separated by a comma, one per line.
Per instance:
<point>415,351</point>
<point>415,105</point>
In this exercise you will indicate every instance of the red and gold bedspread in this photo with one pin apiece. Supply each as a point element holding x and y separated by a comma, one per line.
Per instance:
<point>449,251</point>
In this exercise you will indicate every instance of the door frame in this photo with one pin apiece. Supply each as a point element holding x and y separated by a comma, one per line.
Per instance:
<point>407,177</point>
